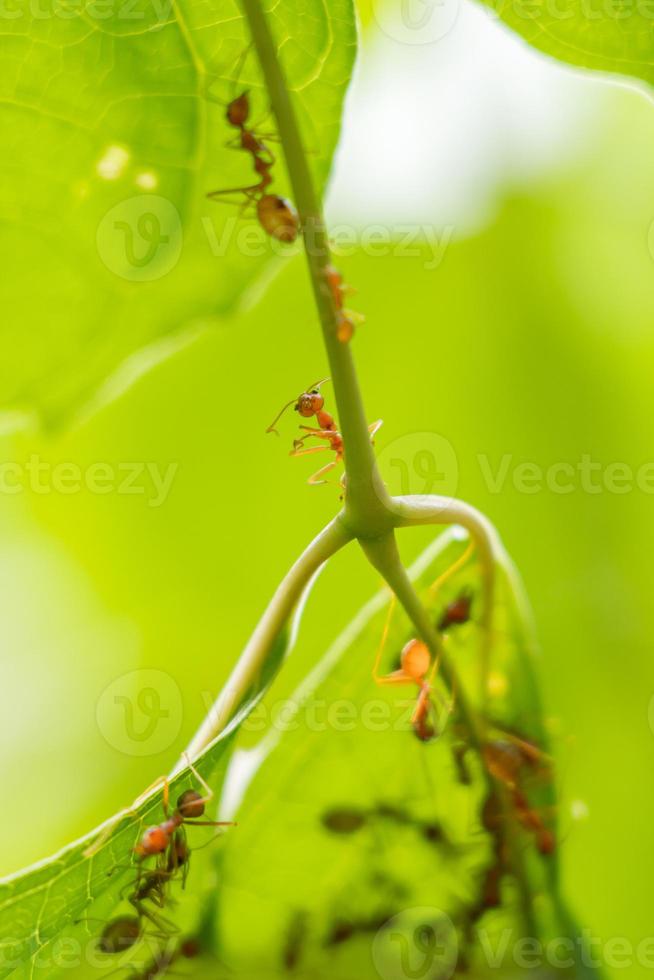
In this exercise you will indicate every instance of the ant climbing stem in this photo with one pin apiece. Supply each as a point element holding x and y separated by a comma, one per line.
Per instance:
<point>310,404</point>
<point>347,320</point>
<point>275,214</point>
<point>416,666</point>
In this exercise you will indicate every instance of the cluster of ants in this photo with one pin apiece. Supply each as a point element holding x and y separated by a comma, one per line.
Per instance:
<point>149,892</point>
<point>277,215</point>
<point>507,758</point>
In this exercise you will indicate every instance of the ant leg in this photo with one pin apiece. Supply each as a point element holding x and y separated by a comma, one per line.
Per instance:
<point>222,197</point>
<point>454,567</point>
<point>167,927</point>
<point>422,702</point>
<point>203,783</point>
<point>209,823</point>
<point>384,637</point>
<point>316,478</point>
<point>374,428</point>
<point>301,450</point>
<point>320,433</point>
<point>165,799</point>
<point>125,814</point>
<point>397,676</point>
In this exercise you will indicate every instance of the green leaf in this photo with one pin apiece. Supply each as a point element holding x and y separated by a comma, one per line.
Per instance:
<point>353,832</point>
<point>606,35</point>
<point>52,915</point>
<point>111,139</point>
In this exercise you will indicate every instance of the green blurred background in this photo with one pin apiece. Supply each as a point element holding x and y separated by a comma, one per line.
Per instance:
<point>532,338</point>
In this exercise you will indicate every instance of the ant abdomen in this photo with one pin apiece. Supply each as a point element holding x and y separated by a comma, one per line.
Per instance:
<point>278,217</point>
<point>191,805</point>
<point>120,934</point>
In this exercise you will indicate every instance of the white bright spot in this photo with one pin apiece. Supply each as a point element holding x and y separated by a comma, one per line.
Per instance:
<point>579,810</point>
<point>112,164</point>
<point>433,132</point>
<point>147,181</point>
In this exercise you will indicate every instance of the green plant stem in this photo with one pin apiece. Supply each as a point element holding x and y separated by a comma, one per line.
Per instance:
<point>414,511</point>
<point>367,510</point>
<point>248,667</point>
<point>384,556</point>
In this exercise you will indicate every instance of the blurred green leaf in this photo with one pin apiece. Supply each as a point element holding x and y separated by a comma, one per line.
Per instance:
<point>353,832</point>
<point>606,35</point>
<point>111,139</point>
<point>52,915</point>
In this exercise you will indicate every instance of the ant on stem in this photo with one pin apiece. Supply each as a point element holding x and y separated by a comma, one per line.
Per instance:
<point>506,759</point>
<point>310,404</point>
<point>347,319</point>
<point>275,214</point>
<point>416,666</point>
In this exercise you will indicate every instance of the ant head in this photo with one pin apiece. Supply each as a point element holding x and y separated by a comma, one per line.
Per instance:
<point>190,805</point>
<point>415,659</point>
<point>120,934</point>
<point>309,403</point>
<point>155,840</point>
<point>238,110</point>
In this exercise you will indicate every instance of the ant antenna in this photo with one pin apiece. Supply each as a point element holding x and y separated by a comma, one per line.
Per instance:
<point>271,427</point>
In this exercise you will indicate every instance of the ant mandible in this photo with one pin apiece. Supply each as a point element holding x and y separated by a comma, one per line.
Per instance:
<point>275,214</point>
<point>310,404</point>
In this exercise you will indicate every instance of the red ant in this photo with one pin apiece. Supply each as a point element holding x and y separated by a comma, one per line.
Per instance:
<point>347,319</point>
<point>168,838</point>
<point>415,664</point>
<point>505,760</point>
<point>456,613</point>
<point>125,931</point>
<point>310,404</point>
<point>415,661</point>
<point>275,214</point>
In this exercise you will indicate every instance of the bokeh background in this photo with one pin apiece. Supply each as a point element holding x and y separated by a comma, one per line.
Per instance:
<point>528,338</point>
